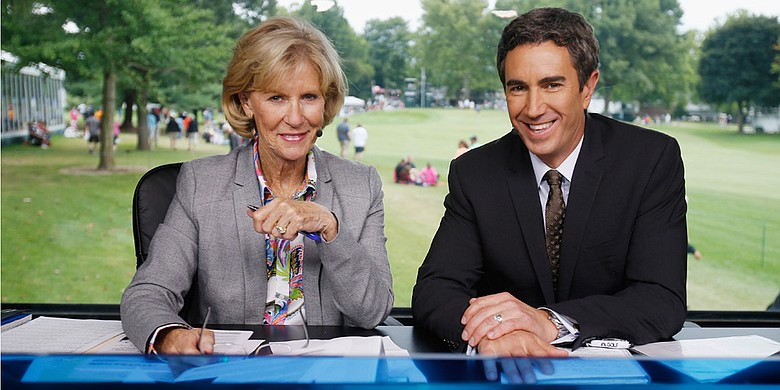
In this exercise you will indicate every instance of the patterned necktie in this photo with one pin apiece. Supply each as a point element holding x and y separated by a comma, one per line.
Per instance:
<point>554,215</point>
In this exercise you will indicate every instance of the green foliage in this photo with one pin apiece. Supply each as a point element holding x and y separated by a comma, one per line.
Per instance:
<point>352,47</point>
<point>736,63</point>
<point>641,52</point>
<point>454,49</point>
<point>389,43</point>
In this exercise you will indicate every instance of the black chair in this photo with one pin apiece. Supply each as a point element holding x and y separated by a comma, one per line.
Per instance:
<point>153,195</point>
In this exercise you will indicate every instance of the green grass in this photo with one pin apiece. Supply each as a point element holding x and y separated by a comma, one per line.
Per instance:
<point>68,238</point>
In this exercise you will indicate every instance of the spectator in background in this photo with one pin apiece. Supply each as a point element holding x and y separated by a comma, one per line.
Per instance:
<point>234,139</point>
<point>92,125</point>
<point>192,131</point>
<point>151,123</point>
<point>342,131</point>
<point>173,129</point>
<point>116,135</point>
<point>693,251</point>
<point>429,176</point>
<point>38,134</point>
<point>359,138</point>
<point>474,142</point>
<point>463,147</point>
<point>74,118</point>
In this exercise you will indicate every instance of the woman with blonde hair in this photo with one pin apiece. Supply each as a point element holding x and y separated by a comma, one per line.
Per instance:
<point>277,231</point>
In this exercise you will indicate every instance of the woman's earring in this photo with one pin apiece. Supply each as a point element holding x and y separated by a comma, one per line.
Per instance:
<point>319,132</point>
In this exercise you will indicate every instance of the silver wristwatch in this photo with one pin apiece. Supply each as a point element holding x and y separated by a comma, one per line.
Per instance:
<point>562,330</point>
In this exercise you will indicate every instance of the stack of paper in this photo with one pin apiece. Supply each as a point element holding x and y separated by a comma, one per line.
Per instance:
<point>59,335</point>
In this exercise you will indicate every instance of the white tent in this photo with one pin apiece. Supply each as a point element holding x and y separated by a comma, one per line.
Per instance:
<point>353,101</point>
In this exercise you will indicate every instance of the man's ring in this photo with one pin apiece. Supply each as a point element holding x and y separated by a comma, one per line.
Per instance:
<point>281,229</point>
<point>498,317</point>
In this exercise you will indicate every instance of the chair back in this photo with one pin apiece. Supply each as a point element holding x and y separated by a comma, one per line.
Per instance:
<point>153,194</point>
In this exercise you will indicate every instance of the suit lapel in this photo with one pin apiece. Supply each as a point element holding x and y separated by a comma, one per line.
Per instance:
<point>311,259</point>
<point>252,244</point>
<point>524,193</point>
<point>585,184</point>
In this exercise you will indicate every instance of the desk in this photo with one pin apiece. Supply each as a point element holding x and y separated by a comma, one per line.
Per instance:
<point>427,366</point>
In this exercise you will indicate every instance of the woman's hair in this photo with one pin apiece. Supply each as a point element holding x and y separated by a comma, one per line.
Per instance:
<point>265,56</point>
<point>564,28</point>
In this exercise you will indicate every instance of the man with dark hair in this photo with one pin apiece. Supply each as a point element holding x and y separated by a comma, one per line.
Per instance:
<point>569,227</point>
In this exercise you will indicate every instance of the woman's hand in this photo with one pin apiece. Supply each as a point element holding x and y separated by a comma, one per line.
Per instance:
<point>285,218</point>
<point>182,341</point>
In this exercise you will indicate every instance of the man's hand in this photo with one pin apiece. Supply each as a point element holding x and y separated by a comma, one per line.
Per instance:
<point>481,322</point>
<point>175,341</point>
<point>519,344</point>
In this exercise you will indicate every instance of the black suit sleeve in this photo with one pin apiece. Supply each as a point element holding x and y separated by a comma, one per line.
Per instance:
<point>652,305</point>
<point>448,276</point>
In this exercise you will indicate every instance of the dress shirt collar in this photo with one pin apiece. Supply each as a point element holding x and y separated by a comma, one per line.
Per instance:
<point>566,168</point>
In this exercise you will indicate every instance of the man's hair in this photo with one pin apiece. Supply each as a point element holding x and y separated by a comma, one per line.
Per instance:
<point>562,27</point>
<point>266,55</point>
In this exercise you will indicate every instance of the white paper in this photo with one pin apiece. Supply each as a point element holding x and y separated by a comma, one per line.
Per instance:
<point>340,346</point>
<point>234,342</point>
<point>119,345</point>
<point>752,346</point>
<point>59,335</point>
<point>712,359</point>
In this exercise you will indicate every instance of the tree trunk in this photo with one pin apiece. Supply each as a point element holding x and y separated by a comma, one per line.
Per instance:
<point>607,96</point>
<point>740,118</point>
<point>144,141</point>
<point>466,86</point>
<point>107,162</point>
<point>129,99</point>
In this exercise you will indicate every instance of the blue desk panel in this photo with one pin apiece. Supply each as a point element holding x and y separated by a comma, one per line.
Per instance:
<point>434,370</point>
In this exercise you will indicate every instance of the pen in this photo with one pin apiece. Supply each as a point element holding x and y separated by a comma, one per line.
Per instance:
<point>314,236</point>
<point>203,329</point>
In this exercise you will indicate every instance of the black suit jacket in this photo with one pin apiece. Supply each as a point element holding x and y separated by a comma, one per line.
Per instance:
<point>623,255</point>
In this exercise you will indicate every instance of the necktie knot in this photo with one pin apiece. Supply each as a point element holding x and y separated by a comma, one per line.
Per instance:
<point>553,178</point>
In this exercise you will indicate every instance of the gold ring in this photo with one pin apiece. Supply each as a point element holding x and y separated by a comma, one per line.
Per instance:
<point>281,229</point>
<point>498,317</point>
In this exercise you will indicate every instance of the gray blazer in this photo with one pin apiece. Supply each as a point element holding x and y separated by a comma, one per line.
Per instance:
<point>208,236</point>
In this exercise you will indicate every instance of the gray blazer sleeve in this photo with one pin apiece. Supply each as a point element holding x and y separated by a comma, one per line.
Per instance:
<point>355,267</point>
<point>156,293</point>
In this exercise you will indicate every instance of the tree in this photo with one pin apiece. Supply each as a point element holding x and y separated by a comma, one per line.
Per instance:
<point>99,42</point>
<point>641,51</point>
<point>140,44</point>
<point>389,42</point>
<point>736,64</point>
<point>352,48</point>
<point>452,49</point>
<point>185,47</point>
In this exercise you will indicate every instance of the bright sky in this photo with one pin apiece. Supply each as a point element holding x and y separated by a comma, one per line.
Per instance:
<point>698,14</point>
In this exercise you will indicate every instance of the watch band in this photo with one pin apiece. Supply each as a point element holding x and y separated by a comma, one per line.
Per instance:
<point>562,330</point>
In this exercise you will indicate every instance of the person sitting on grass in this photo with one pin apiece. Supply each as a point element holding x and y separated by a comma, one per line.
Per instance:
<point>429,176</point>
